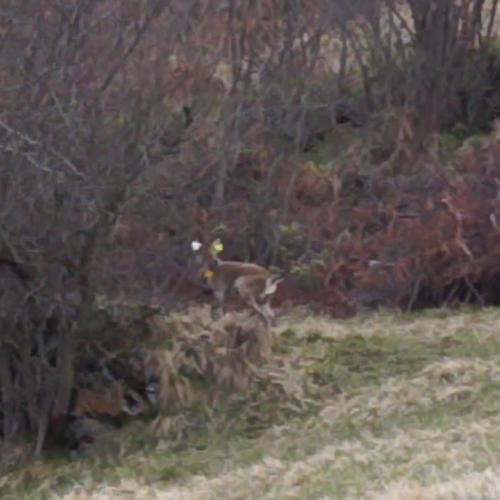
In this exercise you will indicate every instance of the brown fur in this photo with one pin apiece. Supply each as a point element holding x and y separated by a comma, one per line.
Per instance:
<point>253,284</point>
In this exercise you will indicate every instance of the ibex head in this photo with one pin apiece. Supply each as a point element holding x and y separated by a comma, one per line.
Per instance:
<point>204,253</point>
<point>208,260</point>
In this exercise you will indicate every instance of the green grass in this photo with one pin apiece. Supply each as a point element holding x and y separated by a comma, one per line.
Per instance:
<point>401,406</point>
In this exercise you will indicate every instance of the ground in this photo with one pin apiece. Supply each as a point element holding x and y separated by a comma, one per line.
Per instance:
<point>404,406</point>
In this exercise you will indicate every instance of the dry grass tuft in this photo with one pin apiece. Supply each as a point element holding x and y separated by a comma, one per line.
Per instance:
<point>485,484</point>
<point>208,365</point>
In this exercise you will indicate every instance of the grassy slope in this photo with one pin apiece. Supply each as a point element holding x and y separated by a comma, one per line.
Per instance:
<point>408,407</point>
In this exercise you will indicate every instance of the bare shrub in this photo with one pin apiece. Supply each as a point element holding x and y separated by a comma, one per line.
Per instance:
<point>81,117</point>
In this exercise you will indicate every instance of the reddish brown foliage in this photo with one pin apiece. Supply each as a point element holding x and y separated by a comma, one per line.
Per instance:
<point>311,187</point>
<point>423,244</point>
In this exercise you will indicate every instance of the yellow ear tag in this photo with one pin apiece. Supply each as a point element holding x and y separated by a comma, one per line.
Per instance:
<point>217,246</point>
<point>208,274</point>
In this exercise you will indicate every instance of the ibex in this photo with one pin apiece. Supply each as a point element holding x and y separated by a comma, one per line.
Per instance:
<point>254,284</point>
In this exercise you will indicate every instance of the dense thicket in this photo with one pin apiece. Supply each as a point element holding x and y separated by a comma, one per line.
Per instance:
<point>310,135</point>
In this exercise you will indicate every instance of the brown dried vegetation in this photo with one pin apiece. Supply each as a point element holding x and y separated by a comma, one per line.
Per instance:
<point>302,133</point>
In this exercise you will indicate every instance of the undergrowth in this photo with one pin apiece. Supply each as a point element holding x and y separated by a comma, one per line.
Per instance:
<point>399,406</point>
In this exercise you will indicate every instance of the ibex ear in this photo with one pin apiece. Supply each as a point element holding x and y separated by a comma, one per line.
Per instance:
<point>217,246</point>
<point>196,245</point>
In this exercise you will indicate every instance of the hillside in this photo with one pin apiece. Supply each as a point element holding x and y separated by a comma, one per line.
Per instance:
<point>350,147</point>
<point>385,405</point>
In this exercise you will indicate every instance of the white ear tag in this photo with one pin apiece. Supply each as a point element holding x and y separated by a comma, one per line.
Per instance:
<point>196,245</point>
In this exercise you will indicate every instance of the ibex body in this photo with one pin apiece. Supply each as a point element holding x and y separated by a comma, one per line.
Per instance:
<point>254,284</point>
